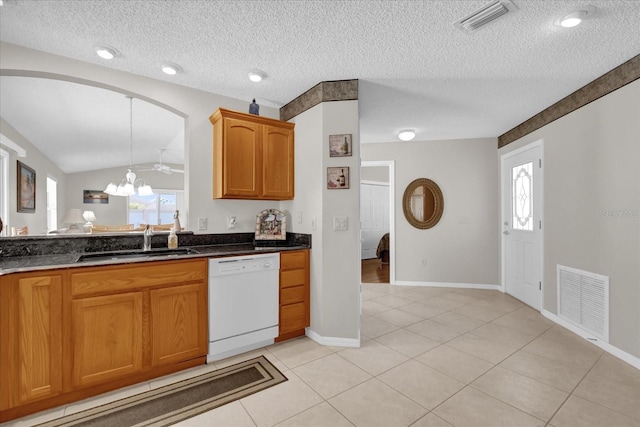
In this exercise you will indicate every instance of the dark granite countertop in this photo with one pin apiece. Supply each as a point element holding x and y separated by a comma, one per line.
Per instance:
<point>35,259</point>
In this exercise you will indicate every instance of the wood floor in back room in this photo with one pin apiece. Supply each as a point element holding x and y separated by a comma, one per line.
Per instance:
<point>373,271</point>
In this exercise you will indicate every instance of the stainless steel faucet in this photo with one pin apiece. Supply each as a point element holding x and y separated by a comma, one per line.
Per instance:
<point>147,238</point>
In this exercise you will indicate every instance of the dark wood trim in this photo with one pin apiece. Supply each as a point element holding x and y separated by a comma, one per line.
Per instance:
<point>603,85</point>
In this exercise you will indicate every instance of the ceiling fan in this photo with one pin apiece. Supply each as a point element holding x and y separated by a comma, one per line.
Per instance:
<point>161,167</point>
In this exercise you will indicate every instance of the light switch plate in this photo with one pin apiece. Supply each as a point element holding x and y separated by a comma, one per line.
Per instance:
<point>340,223</point>
<point>202,223</point>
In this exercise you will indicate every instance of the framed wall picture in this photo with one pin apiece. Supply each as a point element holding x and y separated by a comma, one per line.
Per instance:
<point>95,196</point>
<point>340,145</point>
<point>338,178</point>
<point>26,188</point>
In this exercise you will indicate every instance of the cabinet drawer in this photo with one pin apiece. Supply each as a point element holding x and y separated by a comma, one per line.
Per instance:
<point>292,278</point>
<point>121,278</point>
<point>291,295</point>
<point>291,260</point>
<point>292,317</point>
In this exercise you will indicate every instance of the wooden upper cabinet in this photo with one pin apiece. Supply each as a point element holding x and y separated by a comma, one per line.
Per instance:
<point>241,158</point>
<point>253,157</point>
<point>278,163</point>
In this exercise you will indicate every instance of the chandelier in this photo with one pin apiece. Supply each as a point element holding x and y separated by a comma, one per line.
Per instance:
<point>129,185</point>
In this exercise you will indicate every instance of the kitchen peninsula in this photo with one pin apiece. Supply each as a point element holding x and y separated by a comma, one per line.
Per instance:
<point>73,327</point>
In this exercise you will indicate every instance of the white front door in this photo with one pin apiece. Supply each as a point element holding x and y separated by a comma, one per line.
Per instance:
<point>522,224</point>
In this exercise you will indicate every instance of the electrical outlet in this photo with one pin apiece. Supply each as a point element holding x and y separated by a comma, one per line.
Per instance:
<point>299,215</point>
<point>231,222</point>
<point>340,223</point>
<point>314,224</point>
<point>423,262</point>
<point>202,223</point>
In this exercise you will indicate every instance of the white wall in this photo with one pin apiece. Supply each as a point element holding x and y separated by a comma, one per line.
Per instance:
<point>464,246</point>
<point>114,212</point>
<point>374,173</point>
<point>592,203</point>
<point>37,222</point>
<point>335,272</point>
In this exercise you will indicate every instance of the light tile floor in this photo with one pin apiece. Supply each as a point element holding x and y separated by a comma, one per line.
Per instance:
<point>430,357</point>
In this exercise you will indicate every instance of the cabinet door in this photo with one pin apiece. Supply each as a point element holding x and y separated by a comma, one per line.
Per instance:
<point>179,323</point>
<point>278,163</point>
<point>107,338</point>
<point>241,159</point>
<point>39,336</point>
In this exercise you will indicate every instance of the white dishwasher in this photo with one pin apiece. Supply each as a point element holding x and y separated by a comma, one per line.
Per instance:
<point>243,304</point>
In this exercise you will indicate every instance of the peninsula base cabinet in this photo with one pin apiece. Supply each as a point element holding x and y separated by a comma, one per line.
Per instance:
<point>31,338</point>
<point>69,334</point>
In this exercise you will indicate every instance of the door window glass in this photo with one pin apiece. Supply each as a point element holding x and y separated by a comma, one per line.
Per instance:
<point>522,197</point>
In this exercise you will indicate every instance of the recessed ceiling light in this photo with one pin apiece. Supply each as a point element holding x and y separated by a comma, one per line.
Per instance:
<point>407,134</point>
<point>256,76</point>
<point>106,52</point>
<point>576,17</point>
<point>171,68</point>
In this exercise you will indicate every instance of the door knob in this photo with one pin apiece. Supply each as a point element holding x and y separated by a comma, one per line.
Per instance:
<point>506,233</point>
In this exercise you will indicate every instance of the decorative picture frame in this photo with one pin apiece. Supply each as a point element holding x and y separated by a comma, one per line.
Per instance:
<point>95,196</point>
<point>338,178</point>
<point>340,145</point>
<point>26,186</point>
<point>271,224</point>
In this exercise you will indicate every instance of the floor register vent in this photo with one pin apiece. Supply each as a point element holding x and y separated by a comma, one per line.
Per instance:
<point>583,300</point>
<point>485,15</point>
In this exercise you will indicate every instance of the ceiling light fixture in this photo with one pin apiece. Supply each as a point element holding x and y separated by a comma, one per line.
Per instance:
<point>170,68</point>
<point>129,185</point>
<point>106,52</point>
<point>256,76</point>
<point>576,17</point>
<point>407,134</point>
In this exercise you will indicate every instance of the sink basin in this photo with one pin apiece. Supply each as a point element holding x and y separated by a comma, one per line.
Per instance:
<point>118,255</point>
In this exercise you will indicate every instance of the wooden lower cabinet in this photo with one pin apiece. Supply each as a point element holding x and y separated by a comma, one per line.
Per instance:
<point>73,333</point>
<point>106,337</point>
<point>30,338</point>
<point>179,322</point>
<point>294,294</point>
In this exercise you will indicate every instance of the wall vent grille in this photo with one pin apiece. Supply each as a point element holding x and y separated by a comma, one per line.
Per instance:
<point>583,300</point>
<point>485,15</point>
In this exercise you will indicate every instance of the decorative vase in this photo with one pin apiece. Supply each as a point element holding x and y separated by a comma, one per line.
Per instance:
<point>254,108</point>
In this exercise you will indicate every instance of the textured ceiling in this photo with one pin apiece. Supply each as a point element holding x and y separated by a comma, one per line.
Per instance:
<point>415,69</point>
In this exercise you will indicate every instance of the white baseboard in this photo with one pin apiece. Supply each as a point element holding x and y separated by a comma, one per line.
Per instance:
<point>449,285</point>
<point>332,341</point>
<point>614,351</point>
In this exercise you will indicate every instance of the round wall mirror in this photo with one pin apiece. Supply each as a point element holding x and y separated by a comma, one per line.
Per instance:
<point>423,203</point>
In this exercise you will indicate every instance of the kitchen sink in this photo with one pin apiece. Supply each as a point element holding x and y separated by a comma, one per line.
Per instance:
<point>133,254</point>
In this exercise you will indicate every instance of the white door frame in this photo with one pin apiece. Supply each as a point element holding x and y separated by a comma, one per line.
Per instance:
<point>539,199</point>
<point>392,211</point>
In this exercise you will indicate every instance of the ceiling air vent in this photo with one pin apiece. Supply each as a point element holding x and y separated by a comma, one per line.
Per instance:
<point>485,15</point>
